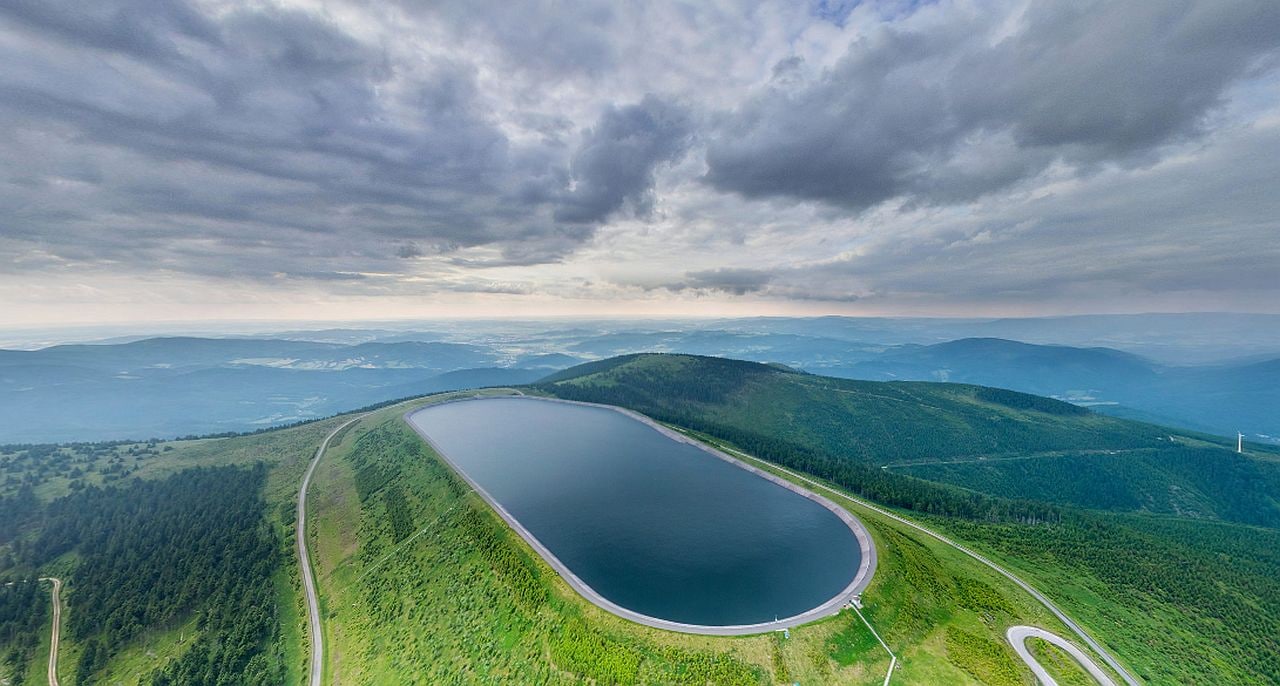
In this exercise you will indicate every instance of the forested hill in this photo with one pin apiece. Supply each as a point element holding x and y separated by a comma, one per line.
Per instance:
<point>997,442</point>
<point>875,422</point>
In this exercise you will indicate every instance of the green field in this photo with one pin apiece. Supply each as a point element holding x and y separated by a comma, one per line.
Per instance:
<point>422,583</point>
<point>1193,599</point>
<point>284,453</point>
<point>1061,666</point>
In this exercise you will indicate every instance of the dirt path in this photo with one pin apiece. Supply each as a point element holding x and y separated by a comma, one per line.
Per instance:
<point>57,627</point>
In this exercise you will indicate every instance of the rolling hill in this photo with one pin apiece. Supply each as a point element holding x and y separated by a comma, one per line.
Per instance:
<point>1148,535</point>
<point>164,387</point>
<point>1219,398</point>
<point>1040,369</point>
<point>343,368</point>
<point>423,581</point>
<point>879,435</point>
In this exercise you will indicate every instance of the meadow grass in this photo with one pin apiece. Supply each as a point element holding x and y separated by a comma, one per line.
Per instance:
<point>465,600</point>
<point>1061,666</point>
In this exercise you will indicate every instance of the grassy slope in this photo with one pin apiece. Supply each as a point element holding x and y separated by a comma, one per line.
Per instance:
<point>466,601</point>
<point>1177,479</point>
<point>1061,666</point>
<point>949,566</point>
<point>1181,600</point>
<point>142,656</point>
<point>286,452</point>
<point>434,619</point>
<point>995,442</point>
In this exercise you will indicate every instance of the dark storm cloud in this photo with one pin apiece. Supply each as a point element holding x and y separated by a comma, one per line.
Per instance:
<point>408,251</point>
<point>726,280</point>
<point>1205,226</point>
<point>267,123</point>
<point>723,280</point>
<point>547,37</point>
<point>615,163</point>
<point>837,151</point>
<point>946,111</point>
<point>145,29</point>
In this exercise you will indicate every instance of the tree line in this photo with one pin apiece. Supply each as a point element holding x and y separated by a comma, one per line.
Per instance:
<point>871,482</point>
<point>152,554</point>
<point>24,608</point>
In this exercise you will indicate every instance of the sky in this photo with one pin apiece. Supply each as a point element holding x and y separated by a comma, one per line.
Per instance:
<point>190,159</point>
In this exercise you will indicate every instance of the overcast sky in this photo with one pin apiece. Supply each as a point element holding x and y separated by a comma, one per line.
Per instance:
<point>183,159</point>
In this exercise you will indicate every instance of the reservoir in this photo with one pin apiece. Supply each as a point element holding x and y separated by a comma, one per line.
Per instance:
<point>647,524</point>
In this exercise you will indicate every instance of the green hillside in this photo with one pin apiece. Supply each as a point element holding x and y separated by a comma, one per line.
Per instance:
<point>425,584</point>
<point>1185,600</point>
<point>872,436</point>
<point>177,558</point>
<point>421,582</point>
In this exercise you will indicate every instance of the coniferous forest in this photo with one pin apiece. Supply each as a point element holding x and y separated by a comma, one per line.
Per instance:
<point>995,278</point>
<point>24,609</point>
<point>1197,578</point>
<point>153,553</point>
<point>190,550</point>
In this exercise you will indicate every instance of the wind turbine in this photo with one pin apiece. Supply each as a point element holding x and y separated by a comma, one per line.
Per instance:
<point>1239,442</point>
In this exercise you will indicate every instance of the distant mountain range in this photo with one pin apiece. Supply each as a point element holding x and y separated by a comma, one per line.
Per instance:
<point>164,387</point>
<point>1171,338</point>
<point>871,435</point>
<point>1214,372</point>
<point>1220,398</point>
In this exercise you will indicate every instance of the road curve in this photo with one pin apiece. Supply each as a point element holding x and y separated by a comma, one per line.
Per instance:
<point>1048,604</point>
<point>1018,636</point>
<point>304,560</point>
<point>57,624</point>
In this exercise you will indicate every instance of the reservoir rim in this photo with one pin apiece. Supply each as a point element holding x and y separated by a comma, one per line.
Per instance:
<point>866,564</point>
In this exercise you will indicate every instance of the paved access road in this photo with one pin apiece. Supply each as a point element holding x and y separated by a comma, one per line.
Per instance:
<point>1048,604</point>
<point>57,624</point>
<point>1018,636</point>
<point>304,560</point>
<point>304,556</point>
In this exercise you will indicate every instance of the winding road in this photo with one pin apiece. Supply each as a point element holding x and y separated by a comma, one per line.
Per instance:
<point>304,555</point>
<point>1018,636</point>
<point>1048,604</point>
<point>55,633</point>
<point>57,625</point>
<point>304,560</point>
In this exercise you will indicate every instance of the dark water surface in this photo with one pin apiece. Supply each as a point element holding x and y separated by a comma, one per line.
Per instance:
<point>657,526</point>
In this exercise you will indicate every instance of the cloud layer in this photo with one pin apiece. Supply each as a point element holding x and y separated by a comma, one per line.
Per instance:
<point>946,157</point>
<point>944,111</point>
